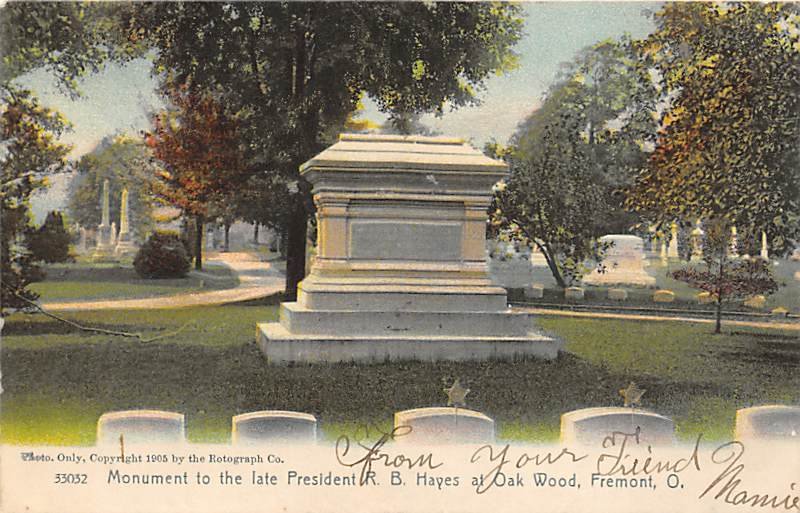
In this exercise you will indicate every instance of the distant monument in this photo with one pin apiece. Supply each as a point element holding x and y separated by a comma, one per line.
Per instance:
<point>697,243</point>
<point>672,250</point>
<point>400,270</point>
<point>623,263</point>
<point>104,251</point>
<point>125,246</point>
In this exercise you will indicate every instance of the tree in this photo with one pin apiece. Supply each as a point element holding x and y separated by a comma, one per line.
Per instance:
<point>30,152</point>
<point>570,158</point>
<point>199,147</point>
<point>727,149</point>
<point>50,242</point>
<point>294,72</point>
<point>125,163</point>
<point>67,40</point>
<point>727,279</point>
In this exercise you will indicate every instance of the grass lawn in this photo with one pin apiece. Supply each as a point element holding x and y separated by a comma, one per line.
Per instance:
<point>58,381</point>
<point>787,296</point>
<point>80,281</point>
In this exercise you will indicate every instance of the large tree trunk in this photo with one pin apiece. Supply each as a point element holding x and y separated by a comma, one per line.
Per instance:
<point>255,233</point>
<point>296,249</point>
<point>198,242</point>
<point>551,263</point>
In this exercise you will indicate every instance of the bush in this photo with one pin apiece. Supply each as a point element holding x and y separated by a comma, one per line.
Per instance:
<point>50,242</point>
<point>162,256</point>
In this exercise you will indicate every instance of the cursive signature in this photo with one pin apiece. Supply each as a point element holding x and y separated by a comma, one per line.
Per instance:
<point>373,453</point>
<point>728,483</point>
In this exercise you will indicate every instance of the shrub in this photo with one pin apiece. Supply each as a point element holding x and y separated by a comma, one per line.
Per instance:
<point>162,256</point>
<point>50,242</point>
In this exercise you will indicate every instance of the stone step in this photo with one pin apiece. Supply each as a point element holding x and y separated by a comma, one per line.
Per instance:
<point>300,320</point>
<point>281,347</point>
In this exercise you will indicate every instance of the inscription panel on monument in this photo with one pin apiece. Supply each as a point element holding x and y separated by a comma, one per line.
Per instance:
<point>410,240</point>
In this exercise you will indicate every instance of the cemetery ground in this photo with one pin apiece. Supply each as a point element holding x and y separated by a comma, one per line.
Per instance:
<point>787,295</point>
<point>58,381</point>
<point>85,281</point>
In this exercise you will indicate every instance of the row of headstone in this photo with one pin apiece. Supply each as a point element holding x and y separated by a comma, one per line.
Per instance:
<point>445,425</point>
<point>668,244</point>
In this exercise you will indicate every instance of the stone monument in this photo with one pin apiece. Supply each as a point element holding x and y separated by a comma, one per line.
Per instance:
<point>400,270</point>
<point>733,249</point>
<point>624,263</point>
<point>125,246</point>
<point>104,251</point>
<point>273,426</point>
<point>697,243</point>
<point>672,250</point>
<point>591,426</point>
<point>764,247</point>
<point>434,426</point>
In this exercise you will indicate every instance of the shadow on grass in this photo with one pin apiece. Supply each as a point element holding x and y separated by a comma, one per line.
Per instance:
<point>211,384</point>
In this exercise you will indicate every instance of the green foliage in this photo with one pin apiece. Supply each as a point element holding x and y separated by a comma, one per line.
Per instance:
<point>50,242</point>
<point>125,163</point>
<point>294,72</point>
<point>30,152</point>
<point>727,279</point>
<point>571,156</point>
<point>163,255</point>
<point>727,149</point>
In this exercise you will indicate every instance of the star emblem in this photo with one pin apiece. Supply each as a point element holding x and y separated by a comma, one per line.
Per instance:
<point>632,395</point>
<point>456,394</point>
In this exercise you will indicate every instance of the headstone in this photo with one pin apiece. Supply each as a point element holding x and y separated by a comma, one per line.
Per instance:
<point>779,311</point>
<point>591,426</point>
<point>672,250</point>
<point>733,250</point>
<point>445,425</point>
<point>535,291</point>
<point>771,422</point>
<point>764,248</point>
<point>663,296</point>
<point>758,301</point>
<point>273,426</point>
<point>104,251</point>
<point>573,293</point>
<point>140,427</point>
<point>400,270</point>
<point>125,246</point>
<point>795,255</point>
<point>617,294</point>
<point>797,275</point>
<point>705,298</point>
<point>697,243</point>
<point>623,263</point>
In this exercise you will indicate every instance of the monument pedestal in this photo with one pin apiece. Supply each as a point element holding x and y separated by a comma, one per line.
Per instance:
<point>104,251</point>
<point>400,271</point>
<point>624,264</point>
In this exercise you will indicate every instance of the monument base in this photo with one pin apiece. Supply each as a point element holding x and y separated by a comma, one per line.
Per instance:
<point>125,249</point>
<point>104,254</point>
<point>282,347</point>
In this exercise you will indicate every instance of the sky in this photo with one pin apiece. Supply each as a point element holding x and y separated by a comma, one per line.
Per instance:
<point>120,98</point>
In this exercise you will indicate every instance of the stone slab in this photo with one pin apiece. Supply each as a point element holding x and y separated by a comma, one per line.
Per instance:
<point>663,296</point>
<point>435,426</point>
<point>770,422</point>
<point>590,426</point>
<point>757,302</point>
<point>282,347</point>
<point>573,293</point>
<point>141,427</point>
<point>534,291</point>
<point>273,426</point>
<point>303,321</point>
